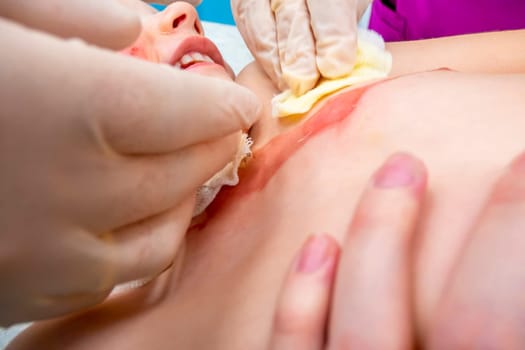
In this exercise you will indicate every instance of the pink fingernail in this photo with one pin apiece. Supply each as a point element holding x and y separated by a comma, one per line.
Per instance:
<point>400,170</point>
<point>317,250</point>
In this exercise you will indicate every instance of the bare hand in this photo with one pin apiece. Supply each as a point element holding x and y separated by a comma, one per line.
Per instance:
<point>371,307</point>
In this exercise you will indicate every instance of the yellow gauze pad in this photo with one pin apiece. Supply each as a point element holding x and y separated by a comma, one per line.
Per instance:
<point>372,62</point>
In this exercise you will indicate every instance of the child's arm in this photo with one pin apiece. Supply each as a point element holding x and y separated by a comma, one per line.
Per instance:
<point>494,52</point>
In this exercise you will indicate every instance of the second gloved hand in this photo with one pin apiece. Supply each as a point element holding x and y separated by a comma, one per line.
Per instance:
<point>297,41</point>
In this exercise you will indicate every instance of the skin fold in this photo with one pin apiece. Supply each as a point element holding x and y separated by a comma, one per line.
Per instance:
<point>223,289</point>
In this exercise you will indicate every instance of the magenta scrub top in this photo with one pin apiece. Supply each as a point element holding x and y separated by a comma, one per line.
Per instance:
<point>398,20</point>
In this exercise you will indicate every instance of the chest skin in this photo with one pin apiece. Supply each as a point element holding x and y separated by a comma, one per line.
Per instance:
<point>466,128</point>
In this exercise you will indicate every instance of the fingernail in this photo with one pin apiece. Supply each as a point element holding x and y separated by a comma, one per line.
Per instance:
<point>317,250</point>
<point>400,170</point>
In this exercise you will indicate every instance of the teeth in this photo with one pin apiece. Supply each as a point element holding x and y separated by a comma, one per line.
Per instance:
<point>186,59</point>
<point>198,56</point>
<point>193,57</point>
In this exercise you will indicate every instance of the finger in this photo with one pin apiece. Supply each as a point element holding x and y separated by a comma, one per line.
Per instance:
<point>256,24</point>
<point>296,45</point>
<point>334,24</point>
<point>482,307</point>
<point>303,305</point>
<point>131,106</point>
<point>100,22</point>
<point>81,270</point>
<point>67,275</point>
<point>91,268</point>
<point>371,308</point>
<point>145,249</point>
<point>140,187</point>
<point>167,109</point>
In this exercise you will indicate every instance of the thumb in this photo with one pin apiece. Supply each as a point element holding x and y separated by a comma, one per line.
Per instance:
<point>105,23</point>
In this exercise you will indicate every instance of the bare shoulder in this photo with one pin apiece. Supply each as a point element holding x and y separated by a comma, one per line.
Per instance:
<point>254,78</point>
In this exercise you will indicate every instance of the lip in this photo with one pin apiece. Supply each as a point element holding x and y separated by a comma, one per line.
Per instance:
<point>197,44</point>
<point>203,64</point>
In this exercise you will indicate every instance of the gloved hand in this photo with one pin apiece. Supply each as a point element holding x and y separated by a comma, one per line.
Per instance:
<point>297,41</point>
<point>100,154</point>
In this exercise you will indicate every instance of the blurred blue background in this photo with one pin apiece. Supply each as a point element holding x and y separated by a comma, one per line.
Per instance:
<point>218,11</point>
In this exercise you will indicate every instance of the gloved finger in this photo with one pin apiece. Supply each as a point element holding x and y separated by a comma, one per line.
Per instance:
<point>140,187</point>
<point>372,306</point>
<point>303,305</point>
<point>296,44</point>
<point>334,24</point>
<point>145,249</point>
<point>256,23</point>
<point>104,23</point>
<point>66,275</point>
<point>163,109</point>
<point>90,267</point>
<point>482,306</point>
<point>132,106</point>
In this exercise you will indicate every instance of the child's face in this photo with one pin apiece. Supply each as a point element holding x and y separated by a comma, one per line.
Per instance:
<point>175,37</point>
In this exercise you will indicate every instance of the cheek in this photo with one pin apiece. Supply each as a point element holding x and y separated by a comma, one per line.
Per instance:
<point>135,51</point>
<point>143,48</point>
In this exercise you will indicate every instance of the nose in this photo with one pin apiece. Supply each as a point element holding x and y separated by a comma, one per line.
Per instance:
<point>180,16</point>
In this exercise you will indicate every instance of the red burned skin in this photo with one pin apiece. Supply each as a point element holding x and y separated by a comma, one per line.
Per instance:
<point>266,161</point>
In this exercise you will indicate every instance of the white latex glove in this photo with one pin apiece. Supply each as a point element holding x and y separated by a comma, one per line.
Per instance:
<point>100,154</point>
<point>297,41</point>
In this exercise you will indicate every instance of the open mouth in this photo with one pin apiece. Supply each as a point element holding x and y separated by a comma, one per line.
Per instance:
<point>196,50</point>
<point>191,59</point>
